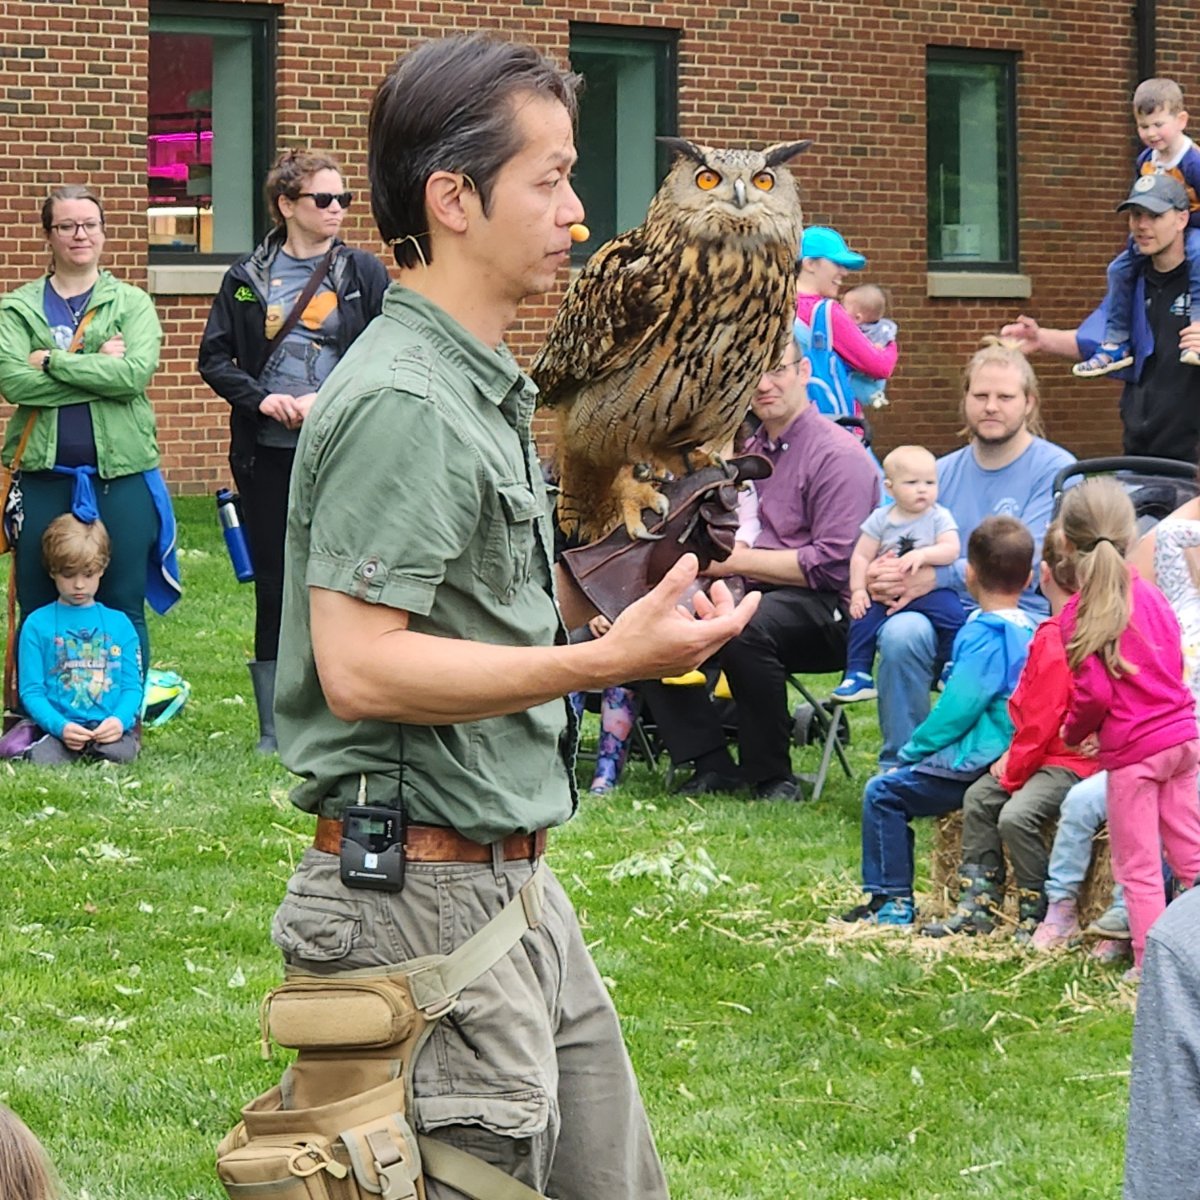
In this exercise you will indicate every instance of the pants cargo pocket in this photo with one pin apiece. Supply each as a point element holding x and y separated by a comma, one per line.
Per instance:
<point>315,929</point>
<point>514,1131</point>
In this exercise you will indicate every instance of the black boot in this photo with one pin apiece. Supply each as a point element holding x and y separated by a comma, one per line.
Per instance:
<point>262,675</point>
<point>1031,912</point>
<point>978,898</point>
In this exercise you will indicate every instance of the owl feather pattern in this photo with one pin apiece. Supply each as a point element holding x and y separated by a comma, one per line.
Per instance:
<point>655,353</point>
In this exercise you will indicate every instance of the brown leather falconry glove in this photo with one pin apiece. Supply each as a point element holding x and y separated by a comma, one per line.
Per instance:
<point>617,570</point>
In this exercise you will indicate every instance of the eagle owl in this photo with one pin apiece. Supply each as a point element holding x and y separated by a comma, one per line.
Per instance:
<point>660,341</point>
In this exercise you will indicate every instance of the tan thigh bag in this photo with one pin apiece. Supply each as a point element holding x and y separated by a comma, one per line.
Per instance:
<point>336,1127</point>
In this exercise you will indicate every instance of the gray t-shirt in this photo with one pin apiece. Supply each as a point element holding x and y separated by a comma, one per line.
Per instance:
<point>907,533</point>
<point>301,362</point>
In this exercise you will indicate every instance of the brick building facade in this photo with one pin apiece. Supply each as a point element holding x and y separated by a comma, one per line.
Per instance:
<point>851,76</point>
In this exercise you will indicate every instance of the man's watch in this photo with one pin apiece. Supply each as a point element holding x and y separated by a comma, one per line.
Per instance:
<point>46,362</point>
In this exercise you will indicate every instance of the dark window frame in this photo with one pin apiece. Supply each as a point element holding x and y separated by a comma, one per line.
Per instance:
<point>1010,60</point>
<point>263,130</point>
<point>666,116</point>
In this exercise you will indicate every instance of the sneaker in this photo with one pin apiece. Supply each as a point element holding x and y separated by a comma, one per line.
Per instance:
<point>1107,358</point>
<point>899,910</point>
<point>862,912</point>
<point>858,685</point>
<point>1059,927</point>
<point>778,789</point>
<point>1190,358</point>
<point>1113,923</point>
<point>1132,976</point>
<point>1108,951</point>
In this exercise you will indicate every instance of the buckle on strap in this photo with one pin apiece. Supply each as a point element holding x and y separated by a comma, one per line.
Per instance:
<point>435,987</point>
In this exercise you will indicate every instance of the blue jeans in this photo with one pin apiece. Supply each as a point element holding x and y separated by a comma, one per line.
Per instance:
<point>1083,811</point>
<point>903,677</point>
<point>889,804</point>
<point>941,607</point>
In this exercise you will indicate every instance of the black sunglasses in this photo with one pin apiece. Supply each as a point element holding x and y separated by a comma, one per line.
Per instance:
<point>325,199</point>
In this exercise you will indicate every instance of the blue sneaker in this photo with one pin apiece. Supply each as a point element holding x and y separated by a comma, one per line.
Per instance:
<point>858,685</point>
<point>899,910</point>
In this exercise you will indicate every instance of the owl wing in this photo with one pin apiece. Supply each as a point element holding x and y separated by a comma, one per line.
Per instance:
<point>613,307</point>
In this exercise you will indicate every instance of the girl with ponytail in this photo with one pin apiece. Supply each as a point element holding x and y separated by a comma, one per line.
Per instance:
<point>1125,652</point>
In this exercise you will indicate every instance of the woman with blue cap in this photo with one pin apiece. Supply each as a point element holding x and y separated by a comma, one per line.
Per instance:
<point>824,260</point>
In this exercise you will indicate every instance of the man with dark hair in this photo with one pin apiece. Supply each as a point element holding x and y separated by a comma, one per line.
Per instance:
<point>424,660</point>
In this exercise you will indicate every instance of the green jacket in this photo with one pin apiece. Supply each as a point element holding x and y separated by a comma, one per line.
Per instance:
<point>123,421</point>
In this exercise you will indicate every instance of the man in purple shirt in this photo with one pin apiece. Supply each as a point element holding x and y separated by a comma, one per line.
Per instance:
<point>824,486</point>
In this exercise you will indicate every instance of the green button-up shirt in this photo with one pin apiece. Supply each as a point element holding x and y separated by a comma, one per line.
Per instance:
<point>416,487</point>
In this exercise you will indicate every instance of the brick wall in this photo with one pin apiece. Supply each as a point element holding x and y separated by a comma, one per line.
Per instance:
<point>850,76</point>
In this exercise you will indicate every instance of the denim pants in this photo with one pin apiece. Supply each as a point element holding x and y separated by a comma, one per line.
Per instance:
<point>941,607</point>
<point>903,678</point>
<point>890,802</point>
<point>1084,810</point>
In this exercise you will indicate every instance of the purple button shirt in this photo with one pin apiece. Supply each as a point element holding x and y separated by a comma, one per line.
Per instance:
<point>824,487</point>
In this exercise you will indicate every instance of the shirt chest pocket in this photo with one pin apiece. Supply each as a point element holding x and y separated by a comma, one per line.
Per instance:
<point>508,558</point>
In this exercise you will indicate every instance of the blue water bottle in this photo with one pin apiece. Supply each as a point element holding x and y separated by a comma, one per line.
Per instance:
<point>235,536</point>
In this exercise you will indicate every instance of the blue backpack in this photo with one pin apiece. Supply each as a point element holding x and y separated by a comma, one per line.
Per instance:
<point>829,388</point>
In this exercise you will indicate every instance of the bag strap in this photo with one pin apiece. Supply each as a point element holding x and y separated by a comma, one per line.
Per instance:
<point>310,290</point>
<point>435,986</point>
<point>77,338</point>
<point>470,1175</point>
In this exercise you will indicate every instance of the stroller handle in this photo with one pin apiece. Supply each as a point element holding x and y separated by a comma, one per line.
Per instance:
<point>1172,468</point>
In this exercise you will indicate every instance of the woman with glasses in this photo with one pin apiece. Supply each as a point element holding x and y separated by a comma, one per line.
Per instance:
<point>77,351</point>
<point>283,318</point>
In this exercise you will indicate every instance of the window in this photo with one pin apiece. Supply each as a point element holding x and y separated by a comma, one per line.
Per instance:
<point>971,160</point>
<point>628,100</point>
<point>209,128</point>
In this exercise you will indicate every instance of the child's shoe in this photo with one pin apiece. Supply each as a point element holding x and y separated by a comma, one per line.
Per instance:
<point>979,896</point>
<point>1112,923</point>
<point>1031,909</point>
<point>1109,357</point>
<point>1190,358</point>
<point>1109,951</point>
<point>1059,927</point>
<point>861,912</point>
<point>899,910</point>
<point>1133,976</point>
<point>857,685</point>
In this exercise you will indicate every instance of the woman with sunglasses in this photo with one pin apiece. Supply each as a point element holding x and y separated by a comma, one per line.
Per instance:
<point>283,318</point>
<point>77,351</point>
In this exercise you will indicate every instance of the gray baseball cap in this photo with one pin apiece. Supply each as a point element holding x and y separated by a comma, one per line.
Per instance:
<point>1156,193</point>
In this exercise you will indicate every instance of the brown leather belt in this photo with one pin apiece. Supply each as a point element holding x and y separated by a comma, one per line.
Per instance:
<point>435,843</point>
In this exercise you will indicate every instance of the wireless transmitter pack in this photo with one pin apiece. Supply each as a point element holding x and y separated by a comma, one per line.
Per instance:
<point>372,854</point>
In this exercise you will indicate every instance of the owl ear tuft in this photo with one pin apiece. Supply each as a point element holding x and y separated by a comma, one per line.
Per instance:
<point>783,152</point>
<point>678,145</point>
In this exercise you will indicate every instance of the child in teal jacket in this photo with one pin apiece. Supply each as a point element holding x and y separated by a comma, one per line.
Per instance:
<point>967,730</point>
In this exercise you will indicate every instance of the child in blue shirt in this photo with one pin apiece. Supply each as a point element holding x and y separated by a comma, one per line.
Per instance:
<point>968,729</point>
<point>1161,120</point>
<point>80,663</point>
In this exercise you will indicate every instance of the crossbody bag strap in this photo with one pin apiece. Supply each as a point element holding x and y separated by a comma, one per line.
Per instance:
<point>77,338</point>
<point>309,291</point>
<point>470,1175</point>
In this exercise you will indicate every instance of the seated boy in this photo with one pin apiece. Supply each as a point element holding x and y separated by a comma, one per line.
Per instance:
<point>80,663</point>
<point>867,306</point>
<point>921,533</point>
<point>1025,787</point>
<point>968,729</point>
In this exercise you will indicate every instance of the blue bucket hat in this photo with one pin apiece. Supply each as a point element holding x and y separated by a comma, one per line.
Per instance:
<point>819,241</point>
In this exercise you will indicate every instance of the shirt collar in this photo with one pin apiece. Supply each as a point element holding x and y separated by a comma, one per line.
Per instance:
<point>760,440</point>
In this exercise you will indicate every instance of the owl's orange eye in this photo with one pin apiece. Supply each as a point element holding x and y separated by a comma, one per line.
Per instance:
<point>764,181</point>
<point>706,180</point>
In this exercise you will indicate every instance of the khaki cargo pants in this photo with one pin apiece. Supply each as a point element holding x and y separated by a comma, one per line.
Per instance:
<point>529,1071</point>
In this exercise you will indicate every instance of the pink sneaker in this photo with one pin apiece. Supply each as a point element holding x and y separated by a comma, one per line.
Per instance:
<point>1059,926</point>
<point>1132,976</point>
<point>1109,951</point>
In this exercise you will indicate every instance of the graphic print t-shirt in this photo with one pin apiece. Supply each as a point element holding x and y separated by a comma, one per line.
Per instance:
<point>76,439</point>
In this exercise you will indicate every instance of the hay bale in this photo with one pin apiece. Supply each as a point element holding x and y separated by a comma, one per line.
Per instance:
<point>1094,896</point>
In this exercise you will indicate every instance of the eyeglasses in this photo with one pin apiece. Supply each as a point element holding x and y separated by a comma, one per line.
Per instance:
<point>780,372</point>
<point>69,229</point>
<point>325,199</point>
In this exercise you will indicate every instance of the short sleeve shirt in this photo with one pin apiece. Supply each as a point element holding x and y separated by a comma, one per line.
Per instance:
<point>911,533</point>
<point>416,487</point>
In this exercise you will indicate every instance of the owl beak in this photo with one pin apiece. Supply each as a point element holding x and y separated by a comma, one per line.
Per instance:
<point>739,193</point>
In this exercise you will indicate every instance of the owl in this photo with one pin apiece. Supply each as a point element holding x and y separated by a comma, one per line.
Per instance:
<point>660,341</point>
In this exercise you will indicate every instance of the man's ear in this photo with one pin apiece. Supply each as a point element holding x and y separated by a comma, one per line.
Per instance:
<point>445,192</point>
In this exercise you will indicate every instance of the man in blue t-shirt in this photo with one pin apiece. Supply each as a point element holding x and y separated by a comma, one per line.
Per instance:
<point>1006,469</point>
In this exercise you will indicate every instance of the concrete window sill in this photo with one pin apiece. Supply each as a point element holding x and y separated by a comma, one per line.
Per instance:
<point>172,280</point>
<point>976,285</point>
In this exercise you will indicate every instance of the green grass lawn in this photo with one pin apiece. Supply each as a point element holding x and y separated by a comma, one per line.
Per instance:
<point>780,1058</point>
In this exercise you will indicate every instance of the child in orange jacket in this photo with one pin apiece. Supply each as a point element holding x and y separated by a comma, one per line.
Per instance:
<point>1007,808</point>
